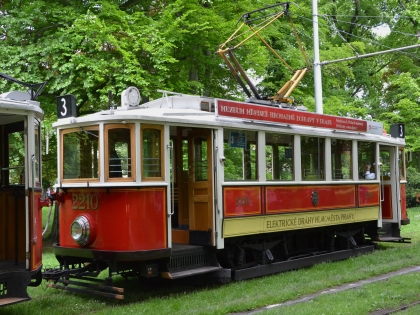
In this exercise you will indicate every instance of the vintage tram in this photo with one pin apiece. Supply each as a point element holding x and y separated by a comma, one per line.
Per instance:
<point>188,185</point>
<point>20,193</point>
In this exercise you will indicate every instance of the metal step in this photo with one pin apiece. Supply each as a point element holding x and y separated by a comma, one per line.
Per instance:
<point>12,300</point>
<point>190,272</point>
<point>188,260</point>
<point>395,239</point>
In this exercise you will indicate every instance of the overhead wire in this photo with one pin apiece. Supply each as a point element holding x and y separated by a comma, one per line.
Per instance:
<point>369,27</point>
<point>379,44</point>
<point>340,32</point>
<point>363,16</point>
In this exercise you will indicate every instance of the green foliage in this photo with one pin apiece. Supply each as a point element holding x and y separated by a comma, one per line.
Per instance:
<point>88,48</point>
<point>413,186</point>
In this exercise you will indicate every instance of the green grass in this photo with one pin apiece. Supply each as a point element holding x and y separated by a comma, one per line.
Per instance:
<point>188,297</point>
<point>390,294</point>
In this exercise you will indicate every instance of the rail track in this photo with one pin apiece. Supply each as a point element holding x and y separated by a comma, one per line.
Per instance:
<point>342,288</point>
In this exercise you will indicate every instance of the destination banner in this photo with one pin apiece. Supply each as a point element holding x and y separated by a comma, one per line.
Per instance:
<point>293,117</point>
<point>296,221</point>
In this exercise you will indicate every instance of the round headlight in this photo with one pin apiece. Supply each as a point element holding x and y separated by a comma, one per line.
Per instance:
<point>80,230</point>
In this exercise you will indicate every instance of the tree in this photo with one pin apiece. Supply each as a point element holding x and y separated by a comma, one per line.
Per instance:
<point>87,48</point>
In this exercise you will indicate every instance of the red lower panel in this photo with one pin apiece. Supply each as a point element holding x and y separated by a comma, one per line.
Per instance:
<point>368,195</point>
<point>242,201</point>
<point>387,203</point>
<point>403,202</point>
<point>124,219</point>
<point>308,198</point>
<point>36,232</point>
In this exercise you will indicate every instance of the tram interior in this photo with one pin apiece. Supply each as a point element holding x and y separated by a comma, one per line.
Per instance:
<point>12,194</point>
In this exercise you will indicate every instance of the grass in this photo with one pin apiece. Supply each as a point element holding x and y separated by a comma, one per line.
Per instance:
<point>188,297</point>
<point>390,294</point>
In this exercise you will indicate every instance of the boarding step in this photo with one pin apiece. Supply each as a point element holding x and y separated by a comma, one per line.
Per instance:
<point>188,260</point>
<point>189,272</point>
<point>390,232</point>
<point>394,239</point>
<point>12,300</point>
<point>13,287</point>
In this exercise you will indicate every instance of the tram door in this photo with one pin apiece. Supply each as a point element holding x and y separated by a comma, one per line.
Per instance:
<point>200,187</point>
<point>389,186</point>
<point>193,216</point>
<point>13,237</point>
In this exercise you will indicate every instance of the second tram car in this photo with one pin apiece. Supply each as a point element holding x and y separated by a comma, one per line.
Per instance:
<point>20,195</point>
<point>186,185</point>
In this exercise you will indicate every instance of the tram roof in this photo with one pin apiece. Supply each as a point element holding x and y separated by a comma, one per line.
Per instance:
<point>201,111</point>
<point>17,102</point>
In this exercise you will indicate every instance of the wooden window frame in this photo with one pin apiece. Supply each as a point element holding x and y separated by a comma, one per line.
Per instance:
<point>83,179</point>
<point>132,129</point>
<point>162,160</point>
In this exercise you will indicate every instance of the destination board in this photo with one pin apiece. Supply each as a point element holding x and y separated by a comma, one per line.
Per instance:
<point>271,114</point>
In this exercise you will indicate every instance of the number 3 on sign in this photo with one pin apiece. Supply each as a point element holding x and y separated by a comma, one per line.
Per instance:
<point>64,112</point>
<point>66,106</point>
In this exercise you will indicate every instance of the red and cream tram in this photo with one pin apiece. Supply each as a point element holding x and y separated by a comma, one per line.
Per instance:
<point>186,185</point>
<point>20,192</point>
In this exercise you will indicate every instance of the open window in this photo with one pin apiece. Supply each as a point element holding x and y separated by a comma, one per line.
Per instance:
<point>152,167</point>
<point>341,163</point>
<point>279,156</point>
<point>240,150</point>
<point>313,158</point>
<point>366,155</point>
<point>119,152</point>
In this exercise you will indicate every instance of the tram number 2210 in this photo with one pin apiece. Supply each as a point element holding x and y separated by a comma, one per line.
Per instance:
<point>85,201</point>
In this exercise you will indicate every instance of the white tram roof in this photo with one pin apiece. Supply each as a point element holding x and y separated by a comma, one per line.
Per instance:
<point>18,102</point>
<point>198,111</point>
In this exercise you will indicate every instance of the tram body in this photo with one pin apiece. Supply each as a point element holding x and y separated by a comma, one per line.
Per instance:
<point>186,185</point>
<point>20,196</point>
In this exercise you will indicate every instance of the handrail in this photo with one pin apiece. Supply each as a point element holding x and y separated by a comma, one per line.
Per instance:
<point>35,239</point>
<point>171,178</point>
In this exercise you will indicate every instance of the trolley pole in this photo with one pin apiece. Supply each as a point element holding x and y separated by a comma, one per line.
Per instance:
<point>317,63</point>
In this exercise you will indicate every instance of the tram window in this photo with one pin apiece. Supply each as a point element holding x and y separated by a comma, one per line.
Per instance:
<point>279,156</point>
<point>152,142</point>
<point>385,170</point>
<point>37,170</point>
<point>401,163</point>
<point>80,153</point>
<point>184,155</point>
<point>341,159</point>
<point>119,153</point>
<point>200,159</point>
<point>13,173</point>
<point>366,153</point>
<point>240,151</point>
<point>312,158</point>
